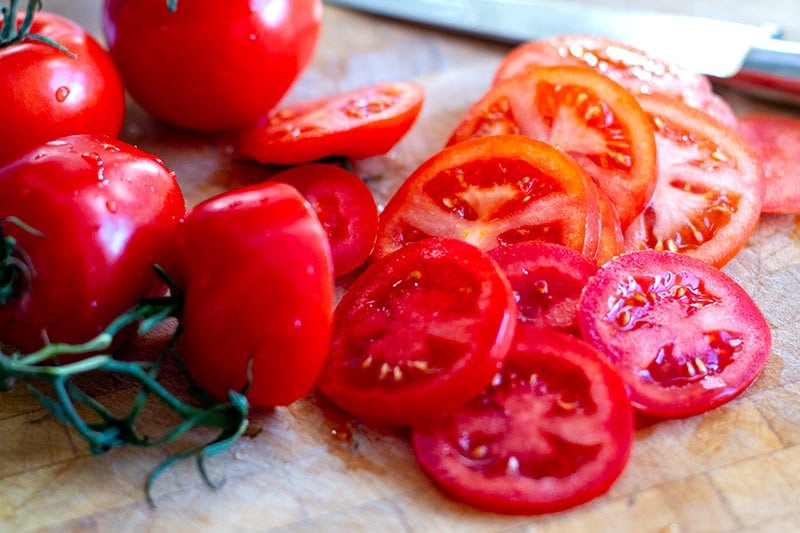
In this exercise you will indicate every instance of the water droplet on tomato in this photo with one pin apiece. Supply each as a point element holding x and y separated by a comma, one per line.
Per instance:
<point>111,206</point>
<point>96,162</point>
<point>62,93</point>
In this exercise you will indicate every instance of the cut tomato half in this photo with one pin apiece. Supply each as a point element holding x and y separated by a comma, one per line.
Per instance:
<point>709,189</point>
<point>554,430</point>
<point>583,113</point>
<point>493,191</point>
<point>684,336</point>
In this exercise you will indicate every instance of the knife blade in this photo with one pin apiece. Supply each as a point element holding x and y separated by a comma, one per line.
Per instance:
<point>749,57</point>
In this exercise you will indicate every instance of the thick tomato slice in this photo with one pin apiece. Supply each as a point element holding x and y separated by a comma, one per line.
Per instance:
<point>419,333</point>
<point>345,207</point>
<point>360,123</point>
<point>584,113</point>
<point>547,280</point>
<point>637,70</point>
<point>709,189</point>
<point>776,140</point>
<point>492,191</point>
<point>554,430</point>
<point>684,336</point>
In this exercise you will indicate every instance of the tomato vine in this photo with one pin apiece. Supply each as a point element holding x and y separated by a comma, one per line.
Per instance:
<point>10,33</point>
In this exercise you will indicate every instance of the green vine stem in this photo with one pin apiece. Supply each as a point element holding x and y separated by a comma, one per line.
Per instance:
<point>65,397</point>
<point>10,34</point>
<point>172,5</point>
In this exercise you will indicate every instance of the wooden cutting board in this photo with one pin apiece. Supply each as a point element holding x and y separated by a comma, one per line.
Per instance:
<point>736,468</point>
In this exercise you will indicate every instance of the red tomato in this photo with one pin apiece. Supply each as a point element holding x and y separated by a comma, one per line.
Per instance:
<point>106,212</point>
<point>776,141</point>
<point>360,123</point>
<point>709,189</point>
<point>547,280</point>
<point>258,284</point>
<point>585,114</point>
<point>612,240</point>
<point>636,70</point>
<point>683,335</point>
<point>206,67</point>
<point>419,333</point>
<point>492,191</point>
<point>345,206</point>
<point>553,430</point>
<point>47,94</point>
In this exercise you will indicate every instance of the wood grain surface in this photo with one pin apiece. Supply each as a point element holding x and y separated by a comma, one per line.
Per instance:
<point>736,468</point>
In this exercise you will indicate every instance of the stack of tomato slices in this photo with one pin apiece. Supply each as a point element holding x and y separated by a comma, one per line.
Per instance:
<point>552,273</point>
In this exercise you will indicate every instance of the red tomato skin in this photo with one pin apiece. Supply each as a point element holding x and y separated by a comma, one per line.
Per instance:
<point>385,318</point>
<point>344,205</point>
<point>108,213</point>
<point>662,335</point>
<point>209,69</point>
<point>258,283</point>
<point>537,428</point>
<point>46,94</point>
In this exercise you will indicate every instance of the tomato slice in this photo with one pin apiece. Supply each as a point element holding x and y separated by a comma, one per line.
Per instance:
<point>637,70</point>
<point>584,113</point>
<point>684,336</point>
<point>547,280</point>
<point>776,140</point>
<point>419,333</point>
<point>554,430</point>
<point>360,123</point>
<point>709,189</point>
<point>493,191</point>
<point>345,207</point>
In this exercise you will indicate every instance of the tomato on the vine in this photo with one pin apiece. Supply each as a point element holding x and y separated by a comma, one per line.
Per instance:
<point>258,294</point>
<point>103,213</point>
<point>209,66</point>
<point>47,92</point>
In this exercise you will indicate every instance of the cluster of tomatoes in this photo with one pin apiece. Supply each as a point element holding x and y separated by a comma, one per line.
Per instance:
<point>548,273</point>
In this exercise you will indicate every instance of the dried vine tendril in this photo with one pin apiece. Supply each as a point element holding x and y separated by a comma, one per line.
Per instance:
<point>65,397</point>
<point>10,33</point>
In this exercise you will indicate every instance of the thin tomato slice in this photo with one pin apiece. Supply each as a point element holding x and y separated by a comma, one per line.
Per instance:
<point>547,280</point>
<point>419,333</point>
<point>637,70</point>
<point>776,140</point>
<point>684,336</point>
<point>360,123</point>
<point>585,114</point>
<point>493,191</point>
<point>554,430</point>
<point>709,189</point>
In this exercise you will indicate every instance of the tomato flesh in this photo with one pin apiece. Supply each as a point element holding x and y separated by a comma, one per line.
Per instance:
<point>552,431</point>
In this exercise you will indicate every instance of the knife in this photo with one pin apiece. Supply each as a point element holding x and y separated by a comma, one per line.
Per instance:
<point>748,57</point>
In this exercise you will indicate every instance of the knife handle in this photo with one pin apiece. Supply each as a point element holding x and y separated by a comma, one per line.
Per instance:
<point>771,70</point>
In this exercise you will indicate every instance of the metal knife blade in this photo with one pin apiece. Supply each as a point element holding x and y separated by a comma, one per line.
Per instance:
<point>742,55</point>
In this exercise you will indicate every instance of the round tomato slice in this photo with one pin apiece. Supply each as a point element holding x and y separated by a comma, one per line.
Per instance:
<point>709,189</point>
<point>553,430</point>
<point>361,123</point>
<point>493,191</point>
<point>776,141</point>
<point>684,336</point>
<point>419,333</point>
<point>584,113</point>
<point>635,69</point>
<point>345,207</point>
<point>547,280</point>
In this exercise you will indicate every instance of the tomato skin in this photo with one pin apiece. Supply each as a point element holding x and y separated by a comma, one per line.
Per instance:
<point>46,94</point>
<point>419,332</point>
<point>108,212</point>
<point>258,283</point>
<point>553,431</point>
<point>345,207</point>
<point>683,336</point>
<point>209,69</point>
<point>360,123</point>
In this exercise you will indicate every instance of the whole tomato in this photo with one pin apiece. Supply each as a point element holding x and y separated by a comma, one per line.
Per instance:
<point>103,213</point>
<point>211,65</point>
<point>257,277</point>
<point>48,92</point>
